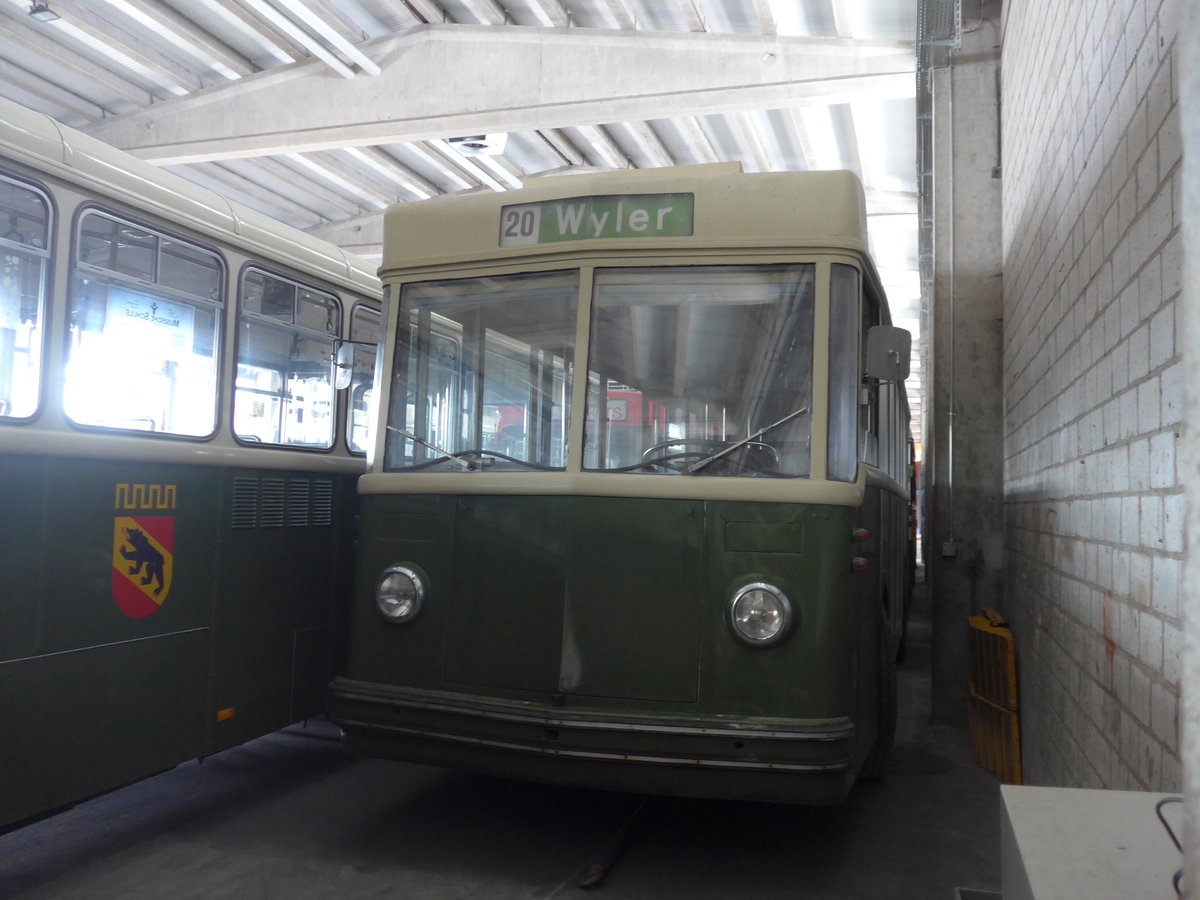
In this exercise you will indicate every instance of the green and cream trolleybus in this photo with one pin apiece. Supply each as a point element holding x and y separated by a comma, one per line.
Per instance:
<point>636,513</point>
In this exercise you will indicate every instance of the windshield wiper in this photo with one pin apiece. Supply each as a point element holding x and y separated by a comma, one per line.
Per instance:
<point>696,467</point>
<point>424,443</point>
<point>471,460</point>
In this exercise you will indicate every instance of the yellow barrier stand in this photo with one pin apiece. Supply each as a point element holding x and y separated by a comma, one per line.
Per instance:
<point>993,720</point>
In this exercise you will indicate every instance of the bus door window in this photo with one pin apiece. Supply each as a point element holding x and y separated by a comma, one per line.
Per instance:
<point>483,367</point>
<point>24,262</point>
<point>364,332</point>
<point>844,373</point>
<point>284,392</point>
<point>869,421</point>
<point>145,326</point>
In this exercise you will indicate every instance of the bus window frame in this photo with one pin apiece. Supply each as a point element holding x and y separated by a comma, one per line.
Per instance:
<point>852,322</point>
<point>807,271</point>
<point>413,325</point>
<point>370,385</point>
<point>219,306</point>
<point>242,316</point>
<point>871,428</point>
<point>48,255</point>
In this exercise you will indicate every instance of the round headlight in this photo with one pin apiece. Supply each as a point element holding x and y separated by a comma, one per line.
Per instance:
<point>760,614</point>
<point>399,594</point>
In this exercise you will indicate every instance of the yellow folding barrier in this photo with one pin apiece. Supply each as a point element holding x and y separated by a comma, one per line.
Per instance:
<point>993,720</point>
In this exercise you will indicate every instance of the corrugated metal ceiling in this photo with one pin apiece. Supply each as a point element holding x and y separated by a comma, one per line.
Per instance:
<point>321,113</point>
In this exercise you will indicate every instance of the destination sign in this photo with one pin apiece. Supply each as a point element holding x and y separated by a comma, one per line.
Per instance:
<point>590,218</point>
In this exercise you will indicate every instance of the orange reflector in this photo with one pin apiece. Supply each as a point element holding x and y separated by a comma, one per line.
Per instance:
<point>224,715</point>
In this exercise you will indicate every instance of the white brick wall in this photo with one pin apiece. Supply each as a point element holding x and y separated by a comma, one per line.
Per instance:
<point>1092,390</point>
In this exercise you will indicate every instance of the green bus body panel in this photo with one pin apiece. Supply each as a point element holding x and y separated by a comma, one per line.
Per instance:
<point>22,534</point>
<point>80,505</point>
<point>624,624</point>
<point>634,600</point>
<point>585,613</point>
<point>252,619</point>
<point>641,616</point>
<point>98,718</point>
<point>505,594</point>
<point>809,674</point>
<point>274,592</point>
<point>585,640</point>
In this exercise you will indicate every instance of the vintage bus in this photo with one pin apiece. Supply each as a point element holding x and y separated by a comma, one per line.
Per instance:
<point>684,568</point>
<point>176,466</point>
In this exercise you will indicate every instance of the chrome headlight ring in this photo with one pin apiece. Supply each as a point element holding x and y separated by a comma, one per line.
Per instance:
<point>400,593</point>
<point>760,614</point>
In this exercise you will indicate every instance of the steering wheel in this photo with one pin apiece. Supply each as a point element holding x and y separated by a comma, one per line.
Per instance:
<point>706,448</point>
<point>708,445</point>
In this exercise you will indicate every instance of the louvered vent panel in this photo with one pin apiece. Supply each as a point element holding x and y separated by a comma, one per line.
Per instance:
<point>322,502</point>
<point>271,507</point>
<point>297,505</point>
<point>245,503</point>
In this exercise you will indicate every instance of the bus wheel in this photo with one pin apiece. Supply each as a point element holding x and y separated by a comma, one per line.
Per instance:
<point>885,735</point>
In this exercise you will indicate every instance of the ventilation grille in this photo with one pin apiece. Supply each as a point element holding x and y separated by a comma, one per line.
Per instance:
<point>270,503</point>
<point>245,503</point>
<point>322,503</point>
<point>279,503</point>
<point>297,502</point>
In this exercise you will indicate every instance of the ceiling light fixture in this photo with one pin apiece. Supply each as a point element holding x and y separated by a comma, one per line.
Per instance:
<point>479,144</point>
<point>43,13</point>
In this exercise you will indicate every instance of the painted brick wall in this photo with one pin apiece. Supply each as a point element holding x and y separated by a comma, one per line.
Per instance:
<point>1092,387</point>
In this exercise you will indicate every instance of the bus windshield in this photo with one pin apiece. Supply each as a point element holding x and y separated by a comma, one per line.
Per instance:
<point>703,370</point>
<point>482,374</point>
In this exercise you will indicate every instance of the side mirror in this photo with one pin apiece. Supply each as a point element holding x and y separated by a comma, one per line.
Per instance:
<point>343,365</point>
<point>343,361</point>
<point>889,353</point>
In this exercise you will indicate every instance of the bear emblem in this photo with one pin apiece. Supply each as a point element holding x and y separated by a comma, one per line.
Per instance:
<point>143,555</point>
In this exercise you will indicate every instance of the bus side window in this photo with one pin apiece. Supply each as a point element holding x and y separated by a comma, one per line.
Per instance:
<point>145,323</point>
<point>284,391</point>
<point>24,262</point>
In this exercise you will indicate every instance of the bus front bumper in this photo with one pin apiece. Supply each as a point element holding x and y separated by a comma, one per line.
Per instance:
<point>770,759</point>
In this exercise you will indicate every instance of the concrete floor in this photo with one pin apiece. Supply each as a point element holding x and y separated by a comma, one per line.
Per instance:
<point>290,816</point>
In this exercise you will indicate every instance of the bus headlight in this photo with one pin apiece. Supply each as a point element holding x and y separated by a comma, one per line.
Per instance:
<point>399,594</point>
<point>760,614</point>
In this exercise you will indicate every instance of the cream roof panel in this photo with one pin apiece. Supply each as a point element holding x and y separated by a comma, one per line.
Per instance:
<point>733,209</point>
<point>39,142</point>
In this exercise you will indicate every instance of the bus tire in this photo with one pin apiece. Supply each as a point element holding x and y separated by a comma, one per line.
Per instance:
<point>887,700</point>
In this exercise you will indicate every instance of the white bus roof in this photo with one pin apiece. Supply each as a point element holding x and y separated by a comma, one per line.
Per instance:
<point>43,144</point>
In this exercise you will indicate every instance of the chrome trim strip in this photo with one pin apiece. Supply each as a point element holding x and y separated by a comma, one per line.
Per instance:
<point>137,640</point>
<point>690,762</point>
<point>833,730</point>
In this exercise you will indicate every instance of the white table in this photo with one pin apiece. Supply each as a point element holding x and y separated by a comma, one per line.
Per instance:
<point>1067,844</point>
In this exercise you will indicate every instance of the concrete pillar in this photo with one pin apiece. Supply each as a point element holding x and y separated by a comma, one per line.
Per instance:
<point>964,527</point>
<point>1188,325</point>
